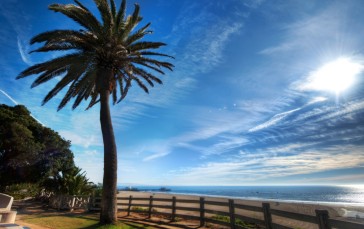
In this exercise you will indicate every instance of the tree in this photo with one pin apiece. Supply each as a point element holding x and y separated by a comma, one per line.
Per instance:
<point>29,152</point>
<point>108,57</point>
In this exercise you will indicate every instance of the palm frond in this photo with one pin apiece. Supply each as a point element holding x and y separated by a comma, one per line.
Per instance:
<point>84,87</point>
<point>123,89</point>
<point>148,53</point>
<point>120,16</point>
<point>152,61</point>
<point>74,73</point>
<point>113,8</point>
<point>114,95</point>
<point>55,63</point>
<point>65,39</point>
<point>106,14</point>
<point>141,84</point>
<point>94,99</point>
<point>131,23</point>
<point>50,74</point>
<point>81,88</point>
<point>144,45</point>
<point>149,66</point>
<point>138,35</point>
<point>81,5</point>
<point>80,15</point>
<point>146,75</point>
<point>59,86</point>
<point>56,47</point>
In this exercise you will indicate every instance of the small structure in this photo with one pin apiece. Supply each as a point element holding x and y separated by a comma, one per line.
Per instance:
<point>7,216</point>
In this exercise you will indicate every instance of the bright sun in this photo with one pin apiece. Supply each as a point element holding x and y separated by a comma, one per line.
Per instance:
<point>335,76</point>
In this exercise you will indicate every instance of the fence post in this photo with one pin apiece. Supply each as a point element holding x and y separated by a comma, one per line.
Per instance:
<point>150,207</point>
<point>173,209</point>
<point>73,203</point>
<point>232,214</point>
<point>129,205</point>
<point>202,211</point>
<point>323,219</point>
<point>267,216</point>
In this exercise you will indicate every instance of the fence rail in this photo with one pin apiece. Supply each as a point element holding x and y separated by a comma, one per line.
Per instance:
<point>203,212</point>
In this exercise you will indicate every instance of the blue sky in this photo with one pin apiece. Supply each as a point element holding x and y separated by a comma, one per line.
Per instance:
<point>263,93</point>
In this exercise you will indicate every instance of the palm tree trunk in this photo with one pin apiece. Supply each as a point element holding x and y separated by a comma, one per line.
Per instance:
<point>108,213</point>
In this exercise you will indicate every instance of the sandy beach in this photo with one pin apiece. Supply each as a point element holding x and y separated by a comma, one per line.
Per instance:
<point>343,212</point>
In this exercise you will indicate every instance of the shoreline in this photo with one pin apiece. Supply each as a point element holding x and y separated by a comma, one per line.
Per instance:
<point>263,199</point>
<point>338,204</point>
<point>343,212</point>
<point>329,195</point>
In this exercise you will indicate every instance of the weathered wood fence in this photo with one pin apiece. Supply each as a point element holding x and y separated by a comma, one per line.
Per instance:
<point>172,205</point>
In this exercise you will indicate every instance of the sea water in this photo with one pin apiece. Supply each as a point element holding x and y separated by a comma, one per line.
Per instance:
<point>331,194</point>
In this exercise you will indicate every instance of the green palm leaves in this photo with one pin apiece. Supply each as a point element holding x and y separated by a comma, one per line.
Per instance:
<point>112,43</point>
<point>70,182</point>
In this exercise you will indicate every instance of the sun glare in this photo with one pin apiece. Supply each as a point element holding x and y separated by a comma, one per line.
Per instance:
<point>335,76</point>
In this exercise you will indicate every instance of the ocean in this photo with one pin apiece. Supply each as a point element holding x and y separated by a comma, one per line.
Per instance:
<point>327,194</point>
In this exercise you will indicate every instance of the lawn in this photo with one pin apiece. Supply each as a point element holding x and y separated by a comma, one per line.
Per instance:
<point>78,222</point>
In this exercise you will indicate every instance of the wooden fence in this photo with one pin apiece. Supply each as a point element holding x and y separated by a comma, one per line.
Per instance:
<point>204,211</point>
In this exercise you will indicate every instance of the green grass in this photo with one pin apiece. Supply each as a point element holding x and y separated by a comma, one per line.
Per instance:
<point>237,221</point>
<point>140,209</point>
<point>78,222</point>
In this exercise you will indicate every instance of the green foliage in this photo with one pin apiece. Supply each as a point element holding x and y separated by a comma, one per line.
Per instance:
<point>238,222</point>
<point>97,190</point>
<point>139,209</point>
<point>29,152</point>
<point>70,182</point>
<point>21,191</point>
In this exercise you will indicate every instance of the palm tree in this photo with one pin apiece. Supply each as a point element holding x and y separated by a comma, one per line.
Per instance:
<point>108,57</point>
<point>69,182</point>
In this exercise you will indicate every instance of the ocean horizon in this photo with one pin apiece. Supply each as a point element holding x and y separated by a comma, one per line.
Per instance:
<point>317,194</point>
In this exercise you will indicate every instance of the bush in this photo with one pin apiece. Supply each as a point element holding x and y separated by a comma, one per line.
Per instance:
<point>237,221</point>
<point>21,191</point>
<point>139,209</point>
<point>69,182</point>
<point>97,190</point>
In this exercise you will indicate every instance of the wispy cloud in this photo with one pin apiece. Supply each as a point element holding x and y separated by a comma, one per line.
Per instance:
<point>16,103</point>
<point>198,55</point>
<point>206,50</point>
<point>305,34</point>
<point>23,53</point>
<point>9,97</point>
<point>83,132</point>
<point>261,166</point>
<point>276,119</point>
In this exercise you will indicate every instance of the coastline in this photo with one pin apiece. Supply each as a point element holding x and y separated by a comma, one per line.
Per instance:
<point>340,211</point>
<point>337,204</point>
<point>325,194</point>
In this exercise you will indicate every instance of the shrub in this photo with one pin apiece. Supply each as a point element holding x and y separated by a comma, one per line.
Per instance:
<point>70,182</point>
<point>139,209</point>
<point>23,190</point>
<point>237,221</point>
